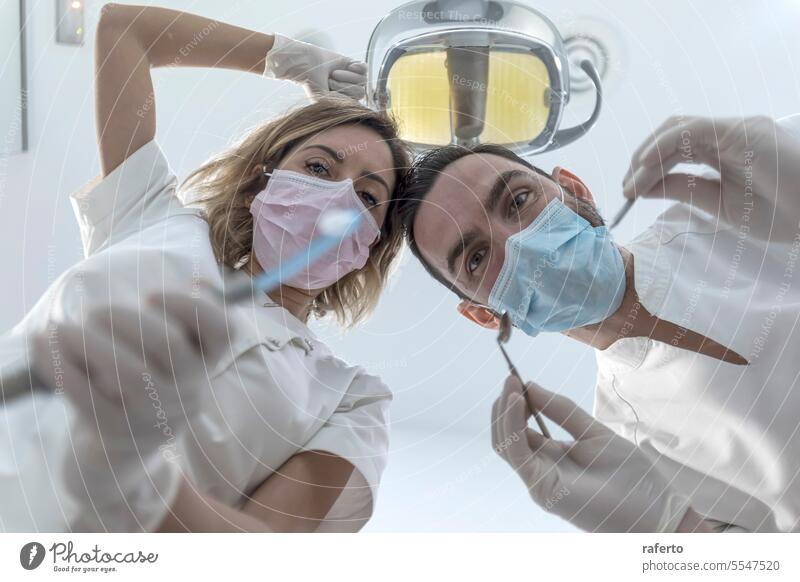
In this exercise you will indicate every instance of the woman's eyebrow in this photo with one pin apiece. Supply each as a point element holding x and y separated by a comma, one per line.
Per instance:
<point>338,158</point>
<point>324,148</point>
<point>375,177</point>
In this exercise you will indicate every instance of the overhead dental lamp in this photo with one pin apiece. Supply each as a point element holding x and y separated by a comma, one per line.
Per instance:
<point>474,71</point>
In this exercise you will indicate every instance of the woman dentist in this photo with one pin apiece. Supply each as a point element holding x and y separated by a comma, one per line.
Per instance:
<point>156,406</point>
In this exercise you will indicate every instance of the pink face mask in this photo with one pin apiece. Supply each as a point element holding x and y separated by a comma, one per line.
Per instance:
<point>286,217</point>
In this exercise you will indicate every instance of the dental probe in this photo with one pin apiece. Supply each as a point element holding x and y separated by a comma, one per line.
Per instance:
<point>503,335</point>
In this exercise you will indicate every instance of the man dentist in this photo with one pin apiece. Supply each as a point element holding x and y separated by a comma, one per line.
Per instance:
<point>694,323</point>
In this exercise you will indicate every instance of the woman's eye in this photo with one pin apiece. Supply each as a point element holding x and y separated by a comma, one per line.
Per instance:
<point>317,168</point>
<point>368,199</point>
<point>475,260</point>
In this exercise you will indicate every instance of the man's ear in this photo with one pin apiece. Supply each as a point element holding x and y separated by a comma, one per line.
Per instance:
<point>478,314</point>
<point>572,183</point>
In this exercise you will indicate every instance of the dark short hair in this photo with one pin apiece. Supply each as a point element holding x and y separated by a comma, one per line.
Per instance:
<point>418,182</point>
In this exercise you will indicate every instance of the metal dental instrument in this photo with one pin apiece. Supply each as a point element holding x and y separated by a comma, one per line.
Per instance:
<point>621,214</point>
<point>503,335</point>
<point>334,226</point>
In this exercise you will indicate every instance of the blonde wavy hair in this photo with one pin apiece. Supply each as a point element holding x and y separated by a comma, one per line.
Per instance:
<point>226,184</point>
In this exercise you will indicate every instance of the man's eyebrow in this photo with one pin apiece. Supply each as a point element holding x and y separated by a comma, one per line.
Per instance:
<point>500,186</point>
<point>458,249</point>
<point>497,190</point>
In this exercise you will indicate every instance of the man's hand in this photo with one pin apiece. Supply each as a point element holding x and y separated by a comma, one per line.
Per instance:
<point>598,482</point>
<point>757,159</point>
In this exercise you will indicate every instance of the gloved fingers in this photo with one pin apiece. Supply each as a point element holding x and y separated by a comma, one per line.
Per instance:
<point>674,122</point>
<point>690,189</point>
<point>147,344</point>
<point>114,363</point>
<point>536,464</point>
<point>493,426</point>
<point>348,77</point>
<point>696,141</point>
<point>359,67</point>
<point>502,437</point>
<point>59,361</point>
<point>168,374</point>
<point>564,412</point>
<point>98,367</point>
<point>356,92</point>
<point>499,438</point>
<point>514,416</point>
<point>645,178</point>
<point>205,321</point>
<point>645,144</point>
<point>537,441</point>
<point>513,387</point>
<point>155,341</point>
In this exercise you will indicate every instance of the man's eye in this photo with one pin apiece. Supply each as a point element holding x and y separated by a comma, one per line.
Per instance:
<point>475,260</point>
<point>518,201</point>
<point>317,168</point>
<point>369,199</point>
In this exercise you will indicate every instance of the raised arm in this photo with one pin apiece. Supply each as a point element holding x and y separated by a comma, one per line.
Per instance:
<point>130,40</point>
<point>133,39</point>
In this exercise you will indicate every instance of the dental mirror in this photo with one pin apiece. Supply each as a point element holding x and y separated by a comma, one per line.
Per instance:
<point>503,335</point>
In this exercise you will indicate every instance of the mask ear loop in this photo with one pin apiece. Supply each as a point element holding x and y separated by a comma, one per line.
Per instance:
<point>561,191</point>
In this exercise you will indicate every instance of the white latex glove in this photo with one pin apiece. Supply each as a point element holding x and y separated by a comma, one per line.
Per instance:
<point>757,159</point>
<point>133,377</point>
<point>599,482</point>
<point>318,70</point>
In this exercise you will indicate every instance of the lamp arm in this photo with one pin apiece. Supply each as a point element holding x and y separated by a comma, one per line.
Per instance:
<point>570,134</point>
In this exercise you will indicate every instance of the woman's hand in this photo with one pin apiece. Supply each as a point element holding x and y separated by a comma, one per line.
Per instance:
<point>318,70</point>
<point>134,375</point>
<point>598,482</point>
<point>148,365</point>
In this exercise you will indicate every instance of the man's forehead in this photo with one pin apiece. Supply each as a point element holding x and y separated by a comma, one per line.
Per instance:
<point>460,190</point>
<point>470,176</point>
<point>455,202</point>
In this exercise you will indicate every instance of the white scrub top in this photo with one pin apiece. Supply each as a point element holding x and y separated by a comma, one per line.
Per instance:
<point>727,435</point>
<point>279,392</point>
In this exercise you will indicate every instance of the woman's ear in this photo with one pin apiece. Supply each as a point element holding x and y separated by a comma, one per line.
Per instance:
<point>478,314</point>
<point>572,183</point>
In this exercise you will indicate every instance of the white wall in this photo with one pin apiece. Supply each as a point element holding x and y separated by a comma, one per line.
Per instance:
<point>720,57</point>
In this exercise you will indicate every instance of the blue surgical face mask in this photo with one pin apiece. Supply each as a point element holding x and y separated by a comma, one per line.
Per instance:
<point>559,273</point>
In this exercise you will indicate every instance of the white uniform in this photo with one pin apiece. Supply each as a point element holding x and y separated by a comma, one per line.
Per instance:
<point>727,435</point>
<point>279,392</point>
